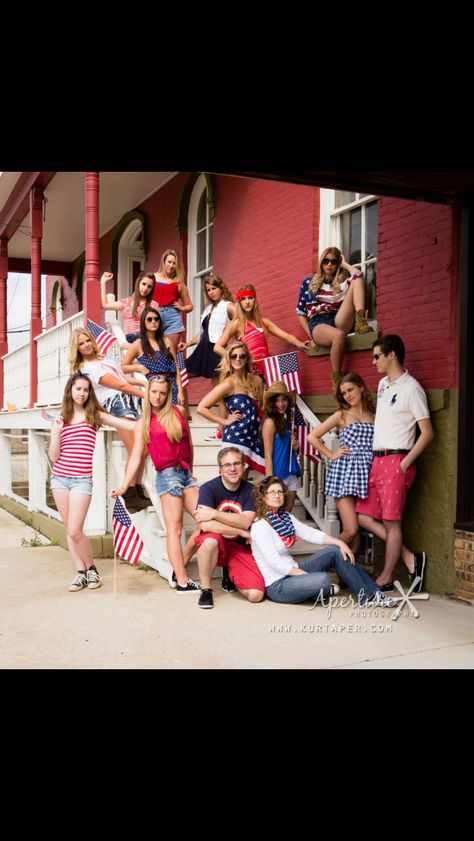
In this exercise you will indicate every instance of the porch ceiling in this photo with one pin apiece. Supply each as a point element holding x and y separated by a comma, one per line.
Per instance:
<point>64,228</point>
<point>441,187</point>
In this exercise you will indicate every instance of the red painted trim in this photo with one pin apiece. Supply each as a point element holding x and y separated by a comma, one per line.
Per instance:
<point>91,300</point>
<point>18,203</point>
<point>52,267</point>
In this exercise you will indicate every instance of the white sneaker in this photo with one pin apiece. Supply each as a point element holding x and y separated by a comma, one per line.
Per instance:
<point>172,580</point>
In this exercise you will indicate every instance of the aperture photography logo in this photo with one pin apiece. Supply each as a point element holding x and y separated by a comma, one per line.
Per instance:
<point>378,602</point>
<point>360,607</point>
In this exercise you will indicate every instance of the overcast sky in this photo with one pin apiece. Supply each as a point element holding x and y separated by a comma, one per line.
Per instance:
<point>19,307</point>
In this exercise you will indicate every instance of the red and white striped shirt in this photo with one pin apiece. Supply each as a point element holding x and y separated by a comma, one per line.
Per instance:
<point>77,442</point>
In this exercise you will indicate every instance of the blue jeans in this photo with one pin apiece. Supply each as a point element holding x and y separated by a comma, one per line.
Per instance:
<point>355,577</point>
<point>293,589</point>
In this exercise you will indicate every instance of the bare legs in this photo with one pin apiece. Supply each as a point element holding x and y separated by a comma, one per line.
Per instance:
<point>390,531</point>
<point>73,508</point>
<point>172,507</point>
<point>335,337</point>
<point>350,524</point>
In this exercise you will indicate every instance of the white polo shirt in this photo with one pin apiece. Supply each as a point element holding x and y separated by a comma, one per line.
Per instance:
<point>399,406</point>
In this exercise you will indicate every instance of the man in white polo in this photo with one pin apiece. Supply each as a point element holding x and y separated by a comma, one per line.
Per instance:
<point>401,408</point>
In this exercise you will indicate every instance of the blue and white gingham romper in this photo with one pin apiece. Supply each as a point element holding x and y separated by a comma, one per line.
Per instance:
<point>349,475</point>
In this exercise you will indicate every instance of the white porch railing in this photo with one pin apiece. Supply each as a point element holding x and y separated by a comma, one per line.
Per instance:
<point>16,368</point>
<point>53,367</point>
<point>321,507</point>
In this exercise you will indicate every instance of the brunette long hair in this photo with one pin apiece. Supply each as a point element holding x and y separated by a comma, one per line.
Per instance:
<point>136,292</point>
<point>146,346</point>
<point>366,396</point>
<point>92,406</point>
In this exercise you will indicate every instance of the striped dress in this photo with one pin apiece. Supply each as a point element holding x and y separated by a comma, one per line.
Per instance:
<point>349,475</point>
<point>77,442</point>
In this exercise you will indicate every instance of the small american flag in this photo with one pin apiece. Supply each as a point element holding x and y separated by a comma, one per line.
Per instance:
<point>305,447</point>
<point>128,543</point>
<point>283,367</point>
<point>182,369</point>
<point>103,338</point>
<point>46,415</point>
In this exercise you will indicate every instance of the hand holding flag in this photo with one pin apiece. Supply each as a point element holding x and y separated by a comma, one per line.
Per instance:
<point>127,542</point>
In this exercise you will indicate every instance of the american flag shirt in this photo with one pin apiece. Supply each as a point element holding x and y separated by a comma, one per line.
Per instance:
<point>324,300</point>
<point>245,434</point>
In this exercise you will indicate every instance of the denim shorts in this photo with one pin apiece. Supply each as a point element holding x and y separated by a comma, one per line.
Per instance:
<point>174,480</point>
<point>73,484</point>
<point>322,318</point>
<point>292,482</point>
<point>123,406</point>
<point>171,320</point>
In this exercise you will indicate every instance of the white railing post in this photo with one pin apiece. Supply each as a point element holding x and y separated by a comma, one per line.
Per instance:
<point>5,463</point>
<point>37,471</point>
<point>96,520</point>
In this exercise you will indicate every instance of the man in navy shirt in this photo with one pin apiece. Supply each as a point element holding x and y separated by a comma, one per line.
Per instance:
<point>225,513</point>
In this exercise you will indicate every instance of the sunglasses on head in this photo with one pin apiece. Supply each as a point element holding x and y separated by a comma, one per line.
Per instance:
<point>328,260</point>
<point>238,356</point>
<point>160,378</point>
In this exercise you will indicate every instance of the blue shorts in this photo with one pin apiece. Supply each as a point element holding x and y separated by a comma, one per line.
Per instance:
<point>322,318</point>
<point>174,481</point>
<point>171,320</point>
<point>123,406</point>
<point>73,484</point>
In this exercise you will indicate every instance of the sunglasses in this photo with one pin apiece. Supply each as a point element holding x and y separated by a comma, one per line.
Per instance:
<point>376,356</point>
<point>328,260</point>
<point>238,356</point>
<point>152,318</point>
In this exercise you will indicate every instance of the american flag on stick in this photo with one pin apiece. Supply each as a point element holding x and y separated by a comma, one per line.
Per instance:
<point>182,369</point>
<point>103,338</point>
<point>284,367</point>
<point>128,543</point>
<point>305,447</point>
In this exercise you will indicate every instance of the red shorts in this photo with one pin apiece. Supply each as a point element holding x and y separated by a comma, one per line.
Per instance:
<point>388,488</point>
<point>243,570</point>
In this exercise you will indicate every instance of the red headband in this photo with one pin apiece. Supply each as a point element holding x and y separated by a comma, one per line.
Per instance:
<point>245,293</point>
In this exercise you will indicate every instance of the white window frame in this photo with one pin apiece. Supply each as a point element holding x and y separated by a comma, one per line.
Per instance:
<point>57,306</point>
<point>130,251</point>
<point>193,321</point>
<point>330,225</point>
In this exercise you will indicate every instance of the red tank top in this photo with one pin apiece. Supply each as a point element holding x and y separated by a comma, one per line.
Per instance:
<point>165,293</point>
<point>255,340</point>
<point>165,453</point>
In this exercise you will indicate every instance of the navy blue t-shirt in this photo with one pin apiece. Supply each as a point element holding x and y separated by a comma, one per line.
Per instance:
<point>215,494</point>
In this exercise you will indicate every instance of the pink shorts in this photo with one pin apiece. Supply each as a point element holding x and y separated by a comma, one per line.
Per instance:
<point>243,570</point>
<point>388,488</point>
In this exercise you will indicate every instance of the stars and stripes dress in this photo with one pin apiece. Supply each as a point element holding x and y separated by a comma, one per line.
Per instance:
<point>349,475</point>
<point>245,434</point>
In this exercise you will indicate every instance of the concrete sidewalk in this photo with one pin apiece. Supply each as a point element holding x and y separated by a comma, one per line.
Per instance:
<point>149,626</point>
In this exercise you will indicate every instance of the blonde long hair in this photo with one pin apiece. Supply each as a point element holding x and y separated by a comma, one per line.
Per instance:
<point>254,317</point>
<point>74,357</point>
<point>319,278</point>
<point>179,270</point>
<point>251,382</point>
<point>166,417</point>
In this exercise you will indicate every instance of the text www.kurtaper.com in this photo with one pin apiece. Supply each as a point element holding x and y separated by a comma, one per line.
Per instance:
<point>343,628</point>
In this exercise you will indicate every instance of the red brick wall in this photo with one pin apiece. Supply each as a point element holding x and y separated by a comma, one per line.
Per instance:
<point>264,234</point>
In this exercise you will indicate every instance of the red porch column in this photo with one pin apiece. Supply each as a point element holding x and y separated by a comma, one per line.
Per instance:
<point>36,221</point>
<point>92,308</point>
<point>3,312</point>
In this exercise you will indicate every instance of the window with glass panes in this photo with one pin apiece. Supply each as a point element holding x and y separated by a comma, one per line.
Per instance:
<point>353,221</point>
<point>199,250</point>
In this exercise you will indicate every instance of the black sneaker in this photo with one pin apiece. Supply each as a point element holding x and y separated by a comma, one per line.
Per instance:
<point>79,582</point>
<point>420,561</point>
<point>189,587</point>
<point>206,599</point>
<point>228,586</point>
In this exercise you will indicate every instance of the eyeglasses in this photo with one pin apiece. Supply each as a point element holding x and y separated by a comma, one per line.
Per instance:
<point>376,356</point>
<point>238,356</point>
<point>328,260</point>
<point>276,493</point>
<point>230,464</point>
